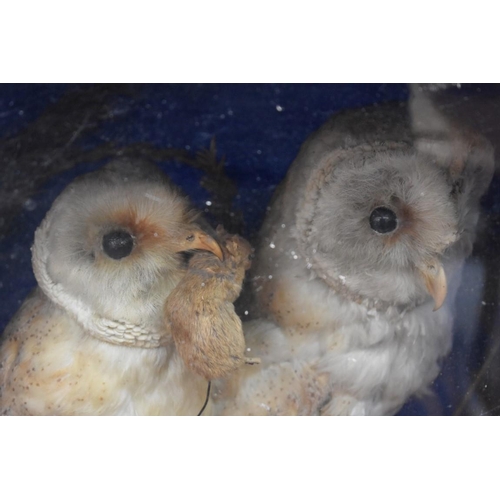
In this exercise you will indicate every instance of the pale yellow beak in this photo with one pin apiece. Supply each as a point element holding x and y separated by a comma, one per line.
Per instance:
<point>199,240</point>
<point>434,278</point>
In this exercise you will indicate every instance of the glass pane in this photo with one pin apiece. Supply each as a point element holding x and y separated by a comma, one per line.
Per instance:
<point>51,134</point>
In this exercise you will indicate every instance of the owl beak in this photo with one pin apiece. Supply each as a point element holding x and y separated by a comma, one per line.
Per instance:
<point>199,240</point>
<point>434,278</point>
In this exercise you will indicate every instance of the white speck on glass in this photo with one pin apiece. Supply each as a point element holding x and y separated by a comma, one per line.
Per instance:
<point>30,204</point>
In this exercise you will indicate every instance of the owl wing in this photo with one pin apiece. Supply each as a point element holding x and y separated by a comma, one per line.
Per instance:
<point>33,363</point>
<point>50,366</point>
<point>280,385</point>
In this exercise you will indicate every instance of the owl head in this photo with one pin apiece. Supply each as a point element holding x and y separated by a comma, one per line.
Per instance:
<point>111,248</point>
<point>379,209</point>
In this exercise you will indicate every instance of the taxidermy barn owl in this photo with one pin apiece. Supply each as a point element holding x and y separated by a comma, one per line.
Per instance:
<point>95,337</point>
<point>358,262</point>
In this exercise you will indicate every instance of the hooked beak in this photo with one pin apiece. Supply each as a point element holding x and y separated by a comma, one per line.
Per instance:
<point>432,273</point>
<point>199,240</point>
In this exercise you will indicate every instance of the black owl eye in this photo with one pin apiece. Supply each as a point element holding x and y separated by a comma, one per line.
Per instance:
<point>117,244</point>
<point>383,220</point>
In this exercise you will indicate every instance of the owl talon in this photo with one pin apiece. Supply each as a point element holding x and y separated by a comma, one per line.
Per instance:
<point>252,361</point>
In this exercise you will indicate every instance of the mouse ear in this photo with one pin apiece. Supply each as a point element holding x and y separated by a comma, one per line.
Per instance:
<point>448,142</point>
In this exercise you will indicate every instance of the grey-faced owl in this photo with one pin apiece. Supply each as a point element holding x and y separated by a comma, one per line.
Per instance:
<point>358,263</point>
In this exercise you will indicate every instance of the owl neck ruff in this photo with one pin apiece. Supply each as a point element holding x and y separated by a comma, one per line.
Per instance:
<point>306,213</point>
<point>104,329</point>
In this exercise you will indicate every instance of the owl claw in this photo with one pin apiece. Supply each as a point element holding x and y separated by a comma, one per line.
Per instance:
<point>252,361</point>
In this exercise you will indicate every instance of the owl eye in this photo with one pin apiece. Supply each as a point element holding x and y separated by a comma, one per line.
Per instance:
<point>383,220</point>
<point>117,244</point>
